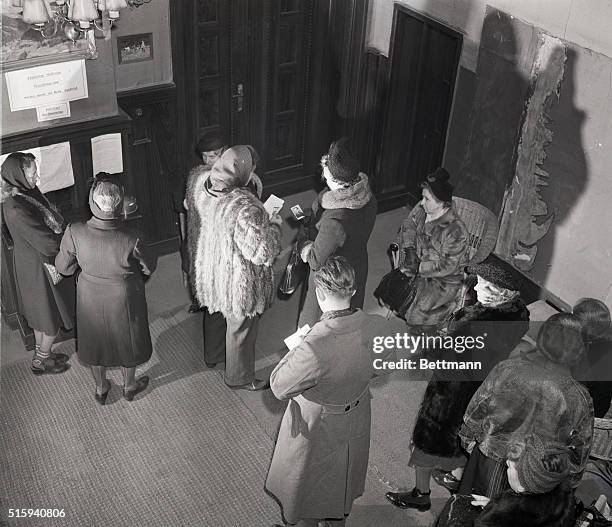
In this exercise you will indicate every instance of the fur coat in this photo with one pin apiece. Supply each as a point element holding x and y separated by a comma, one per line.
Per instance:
<point>234,246</point>
<point>556,508</point>
<point>441,413</point>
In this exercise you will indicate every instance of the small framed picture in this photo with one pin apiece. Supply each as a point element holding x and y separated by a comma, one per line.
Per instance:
<point>135,48</point>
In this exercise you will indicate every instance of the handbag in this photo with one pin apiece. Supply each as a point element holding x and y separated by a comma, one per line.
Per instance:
<point>295,271</point>
<point>397,291</point>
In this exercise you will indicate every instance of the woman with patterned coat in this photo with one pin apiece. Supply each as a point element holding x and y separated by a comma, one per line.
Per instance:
<point>233,253</point>
<point>433,242</point>
<point>36,229</point>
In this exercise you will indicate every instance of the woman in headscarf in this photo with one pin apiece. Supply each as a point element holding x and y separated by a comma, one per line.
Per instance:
<point>36,228</point>
<point>433,242</point>
<point>232,256</point>
<point>496,322</point>
<point>112,319</point>
<point>343,216</point>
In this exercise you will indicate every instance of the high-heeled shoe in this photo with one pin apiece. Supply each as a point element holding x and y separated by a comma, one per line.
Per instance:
<point>101,397</point>
<point>141,385</point>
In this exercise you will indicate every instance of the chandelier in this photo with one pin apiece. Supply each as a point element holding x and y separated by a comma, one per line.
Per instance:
<point>74,17</point>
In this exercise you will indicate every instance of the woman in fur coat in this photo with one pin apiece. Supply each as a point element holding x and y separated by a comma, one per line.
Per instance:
<point>539,493</point>
<point>36,228</point>
<point>500,318</point>
<point>343,216</point>
<point>233,252</point>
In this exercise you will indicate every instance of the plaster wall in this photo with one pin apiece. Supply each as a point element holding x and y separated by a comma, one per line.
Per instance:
<point>584,22</point>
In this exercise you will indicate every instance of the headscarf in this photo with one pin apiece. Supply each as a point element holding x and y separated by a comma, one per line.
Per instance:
<point>115,187</point>
<point>15,184</point>
<point>232,170</point>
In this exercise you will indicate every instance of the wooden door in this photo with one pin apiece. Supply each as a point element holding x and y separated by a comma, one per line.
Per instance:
<point>424,60</point>
<point>251,79</point>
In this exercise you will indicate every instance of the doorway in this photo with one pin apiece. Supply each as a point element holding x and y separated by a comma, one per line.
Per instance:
<point>424,60</point>
<point>248,74</point>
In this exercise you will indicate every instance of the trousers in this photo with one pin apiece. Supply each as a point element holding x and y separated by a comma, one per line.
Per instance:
<point>232,340</point>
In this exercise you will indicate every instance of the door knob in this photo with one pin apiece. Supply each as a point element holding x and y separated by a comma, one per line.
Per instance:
<point>239,96</point>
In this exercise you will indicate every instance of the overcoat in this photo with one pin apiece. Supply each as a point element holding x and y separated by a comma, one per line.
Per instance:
<point>441,413</point>
<point>341,224</point>
<point>441,247</point>
<point>46,307</point>
<point>112,319</point>
<point>321,456</point>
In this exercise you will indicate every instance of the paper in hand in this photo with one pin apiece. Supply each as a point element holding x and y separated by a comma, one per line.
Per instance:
<point>294,340</point>
<point>273,205</point>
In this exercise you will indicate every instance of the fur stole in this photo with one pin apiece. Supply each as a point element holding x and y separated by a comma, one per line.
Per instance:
<point>513,310</point>
<point>354,197</point>
<point>51,216</point>
<point>233,251</point>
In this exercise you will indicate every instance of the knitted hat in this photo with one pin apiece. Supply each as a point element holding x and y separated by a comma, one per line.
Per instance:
<point>542,466</point>
<point>233,168</point>
<point>213,140</point>
<point>560,339</point>
<point>439,185</point>
<point>341,162</point>
<point>497,273</point>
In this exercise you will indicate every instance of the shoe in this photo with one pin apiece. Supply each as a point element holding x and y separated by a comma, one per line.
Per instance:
<point>42,366</point>
<point>446,480</point>
<point>59,357</point>
<point>210,365</point>
<point>101,397</point>
<point>141,385</point>
<point>415,499</point>
<point>253,386</point>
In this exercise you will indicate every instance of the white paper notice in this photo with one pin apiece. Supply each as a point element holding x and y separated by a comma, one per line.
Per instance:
<point>54,111</point>
<point>54,166</point>
<point>46,85</point>
<point>294,340</point>
<point>106,154</point>
<point>273,204</point>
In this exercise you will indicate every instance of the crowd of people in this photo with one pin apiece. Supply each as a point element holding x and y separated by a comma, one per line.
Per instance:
<point>511,446</point>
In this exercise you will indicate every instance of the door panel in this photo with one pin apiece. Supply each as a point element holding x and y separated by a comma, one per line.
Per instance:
<point>424,61</point>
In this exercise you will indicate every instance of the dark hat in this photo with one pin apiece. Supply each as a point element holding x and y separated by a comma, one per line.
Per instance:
<point>212,140</point>
<point>341,162</point>
<point>496,273</point>
<point>438,183</point>
<point>536,473</point>
<point>560,339</point>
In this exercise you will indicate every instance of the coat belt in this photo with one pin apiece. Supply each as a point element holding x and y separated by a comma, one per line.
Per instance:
<point>343,408</point>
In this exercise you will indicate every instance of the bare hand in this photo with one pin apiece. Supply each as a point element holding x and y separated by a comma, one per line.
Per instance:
<point>305,252</point>
<point>480,501</point>
<point>276,219</point>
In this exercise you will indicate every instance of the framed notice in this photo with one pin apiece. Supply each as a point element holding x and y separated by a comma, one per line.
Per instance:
<point>47,85</point>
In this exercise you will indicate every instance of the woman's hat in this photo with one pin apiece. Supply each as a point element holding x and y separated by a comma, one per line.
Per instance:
<point>213,140</point>
<point>560,339</point>
<point>233,168</point>
<point>341,162</point>
<point>438,183</point>
<point>542,466</point>
<point>496,273</point>
<point>107,189</point>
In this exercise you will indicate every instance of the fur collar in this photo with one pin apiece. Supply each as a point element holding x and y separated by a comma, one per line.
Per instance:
<point>354,197</point>
<point>7,191</point>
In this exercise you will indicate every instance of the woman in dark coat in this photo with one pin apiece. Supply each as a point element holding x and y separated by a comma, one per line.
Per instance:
<point>36,229</point>
<point>500,318</point>
<point>113,325</point>
<point>343,216</point>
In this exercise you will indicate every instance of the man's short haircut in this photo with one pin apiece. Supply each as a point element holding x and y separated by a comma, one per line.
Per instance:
<point>595,318</point>
<point>560,339</point>
<point>336,277</point>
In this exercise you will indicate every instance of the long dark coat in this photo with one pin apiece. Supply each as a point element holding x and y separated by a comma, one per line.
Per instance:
<point>445,401</point>
<point>46,307</point>
<point>112,320</point>
<point>321,457</point>
<point>341,223</point>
